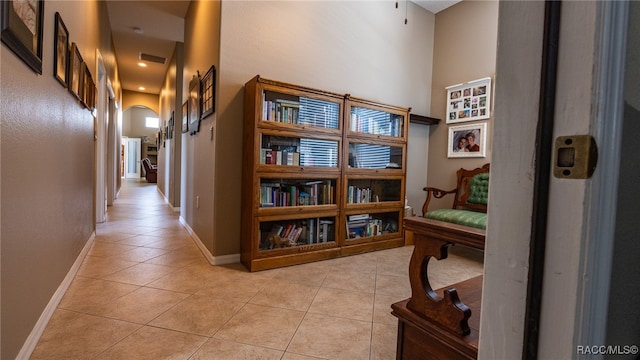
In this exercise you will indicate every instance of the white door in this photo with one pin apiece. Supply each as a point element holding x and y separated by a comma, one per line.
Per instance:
<point>131,157</point>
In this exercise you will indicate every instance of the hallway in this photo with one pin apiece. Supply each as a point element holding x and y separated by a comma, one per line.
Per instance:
<point>145,291</point>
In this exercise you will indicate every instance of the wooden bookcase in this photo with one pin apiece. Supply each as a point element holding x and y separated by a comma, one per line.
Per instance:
<point>323,175</point>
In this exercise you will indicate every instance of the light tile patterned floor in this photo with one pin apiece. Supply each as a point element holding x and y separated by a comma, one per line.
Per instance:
<point>145,291</point>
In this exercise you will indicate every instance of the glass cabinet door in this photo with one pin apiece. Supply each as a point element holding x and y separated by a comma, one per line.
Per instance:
<point>300,110</point>
<point>298,151</point>
<point>370,156</point>
<point>376,122</point>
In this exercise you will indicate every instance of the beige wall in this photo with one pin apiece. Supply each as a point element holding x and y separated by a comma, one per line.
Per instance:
<point>134,123</point>
<point>465,50</point>
<point>134,98</point>
<point>47,158</point>
<point>169,178</point>
<point>201,50</point>
<point>361,48</point>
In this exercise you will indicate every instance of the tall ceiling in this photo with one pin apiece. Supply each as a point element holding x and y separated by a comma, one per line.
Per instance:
<point>148,27</point>
<point>154,26</point>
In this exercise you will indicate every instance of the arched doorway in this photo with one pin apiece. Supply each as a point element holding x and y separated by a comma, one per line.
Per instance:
<point>140,127</point>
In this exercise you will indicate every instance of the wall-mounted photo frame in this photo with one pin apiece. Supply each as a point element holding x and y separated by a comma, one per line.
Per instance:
<point>88,92</point>
<point>21,30</point>
<point>467,140</point>
<point>208,92</point>
<point>194,104</point>
<point>185,117</point>
<point>469,101</point>
<point>61,51</point>
<point>75,71</point>
<point>170,126</point>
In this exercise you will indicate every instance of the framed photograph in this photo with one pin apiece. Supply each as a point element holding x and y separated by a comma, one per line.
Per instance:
<point>469,101</point>
<point>21,30</point>
<point>194,104</point>
<point>185,117</point>
<point>88,93</point>
<point>467,140</point>
<point>170,127</point>
<point>75,71</point>
<point>208,88</point>
<point>61,52</point>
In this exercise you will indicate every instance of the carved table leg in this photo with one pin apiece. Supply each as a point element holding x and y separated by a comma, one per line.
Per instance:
<point>448,311</point>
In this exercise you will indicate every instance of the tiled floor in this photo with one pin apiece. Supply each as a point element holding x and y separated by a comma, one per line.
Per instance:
<point>145,291</point>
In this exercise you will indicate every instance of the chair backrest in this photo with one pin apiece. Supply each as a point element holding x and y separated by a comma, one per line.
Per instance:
<point>473,189</point>
<point>146,163</point>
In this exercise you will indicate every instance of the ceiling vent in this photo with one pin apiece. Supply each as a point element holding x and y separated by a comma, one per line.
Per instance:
<point>152,58</point>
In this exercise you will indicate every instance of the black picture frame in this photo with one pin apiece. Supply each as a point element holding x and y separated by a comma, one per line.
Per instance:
<point>194,104</point>
<point>75,72</point>
<point>61,51</point>
<point>185,117</point>
<point>88,92</point>
<point>208,93</point>
<point>21,30</point>
<point>170,126</point>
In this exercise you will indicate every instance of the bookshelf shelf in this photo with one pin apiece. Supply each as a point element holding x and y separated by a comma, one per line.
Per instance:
<point>323,175</point>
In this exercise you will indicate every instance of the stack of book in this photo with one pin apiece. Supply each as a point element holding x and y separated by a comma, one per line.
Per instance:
<point>362,225</point>
<point>301,232</point>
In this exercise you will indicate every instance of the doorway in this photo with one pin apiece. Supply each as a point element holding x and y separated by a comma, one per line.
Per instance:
<point>132,157</point>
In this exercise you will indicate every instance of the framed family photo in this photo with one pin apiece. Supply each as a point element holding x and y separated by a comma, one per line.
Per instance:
<point>469,101</point>
<point>21,30</point>
<point>467,140</point>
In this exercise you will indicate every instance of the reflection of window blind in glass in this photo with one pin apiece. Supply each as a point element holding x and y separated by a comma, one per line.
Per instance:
<point>319,113</point>
<point>322,114</point>
<point>315,152</point>
<point>370,156</point>
<point>374,122</point>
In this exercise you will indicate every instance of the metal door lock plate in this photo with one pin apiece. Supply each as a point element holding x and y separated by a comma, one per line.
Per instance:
<point>575,157</point>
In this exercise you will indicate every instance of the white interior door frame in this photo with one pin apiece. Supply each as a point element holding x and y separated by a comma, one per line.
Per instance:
<point>102,115</point>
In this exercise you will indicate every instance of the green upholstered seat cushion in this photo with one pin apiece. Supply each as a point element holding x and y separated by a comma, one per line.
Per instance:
<point>461,217</point>
<point>479,189</point>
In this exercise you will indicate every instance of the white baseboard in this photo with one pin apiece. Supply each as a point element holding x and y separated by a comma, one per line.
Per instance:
<point>213,260</point>
<point>166,200</point>
<point>41,324</point>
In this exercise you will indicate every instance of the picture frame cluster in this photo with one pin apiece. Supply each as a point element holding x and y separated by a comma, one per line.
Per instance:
<point>468,102</point>
<point>70,69</point>
<point>21,29</point>
<point>200,102</point>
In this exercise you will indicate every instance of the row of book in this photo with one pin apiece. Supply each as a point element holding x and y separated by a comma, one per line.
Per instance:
<point>369,125</point>
<point>356,195</point>
<point>298,232</point>
<point>279,157</point>
<point>363,225</point>
<point>302,194</point>
<point>280,110</point>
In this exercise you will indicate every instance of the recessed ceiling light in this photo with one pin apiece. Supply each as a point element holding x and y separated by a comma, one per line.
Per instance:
<point>141,64</point>
<point>141,88</point>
